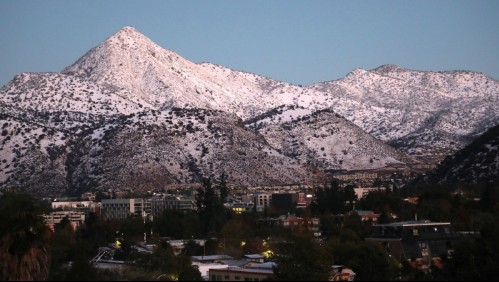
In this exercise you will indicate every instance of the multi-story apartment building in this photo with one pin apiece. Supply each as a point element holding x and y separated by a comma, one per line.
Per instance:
<point>119,209</point>
<point>262,201</point>
<point>76,218</point>
<point>419,242</point>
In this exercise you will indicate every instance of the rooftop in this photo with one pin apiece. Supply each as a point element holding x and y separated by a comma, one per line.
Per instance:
<point>412,223</point>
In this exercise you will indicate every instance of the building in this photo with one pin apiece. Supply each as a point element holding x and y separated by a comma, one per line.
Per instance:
<point>284,201</point>
<point>119,209</point>
<point>262,201</point>
<point>369,216</point>
<point>239,274</point>
<point>362,192</point>
<point>160,204</point>
<point>299,223</point>
<point>239,207</point>
<point>254,258</point>
<point>419,242</point>
<point>210,258</point>
<point>76,218</point>
<point>83,206</point>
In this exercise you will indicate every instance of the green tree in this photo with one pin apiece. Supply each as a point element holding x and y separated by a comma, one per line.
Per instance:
<point>301,259</point>
<point>489,198</point>
<point>24,238</point>
<point>62,250</point>
<point>333,199</point>
<point>177,224</point>
<point>81,270</point>
<point>366,259</point>
<point>162,264</point>
<point>211,210</point>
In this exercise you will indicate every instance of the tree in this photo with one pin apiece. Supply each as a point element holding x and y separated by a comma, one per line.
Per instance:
<point>224,190</point>
<point>211,210</point>
<point>333,199</point>
<point>177,224</point>
<point>162,264</point>
<point>24,239</point>
<point>301,259</point>
<point>63,250</point>
<point>489,197</point>
<point>366,259</point>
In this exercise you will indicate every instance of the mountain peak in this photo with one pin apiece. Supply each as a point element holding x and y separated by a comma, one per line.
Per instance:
<point>127,31</point>
<point>128,28</point>
<point>128,36</point>
<point>387,68</point>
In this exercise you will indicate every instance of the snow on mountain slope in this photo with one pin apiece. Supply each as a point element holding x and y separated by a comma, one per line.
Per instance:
<point>149,150</point>
<point>32,156</point>
<point>389,102</point>
<point>324,139</point>
<point>51,92</point>
<point>397,105</point>
<point>478,162</point>
<point>132,63</point>
<point>119,90</point>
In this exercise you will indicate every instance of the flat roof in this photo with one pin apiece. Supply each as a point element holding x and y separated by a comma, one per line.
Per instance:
<point>245,270</point>
<point>211,257</point>
<point>412,223</point>
<point>254,256</point>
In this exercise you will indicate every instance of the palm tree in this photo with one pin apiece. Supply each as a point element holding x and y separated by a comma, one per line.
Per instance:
<point>24,239</point>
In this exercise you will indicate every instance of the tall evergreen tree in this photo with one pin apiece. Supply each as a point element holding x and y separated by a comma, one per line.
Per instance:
<point>24,239</point>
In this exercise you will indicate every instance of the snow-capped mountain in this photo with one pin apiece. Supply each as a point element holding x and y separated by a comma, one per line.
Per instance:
<point>476,163</point>
<point>420,112</point>
<point>151,149</point>
<point>324,139</point>
<point>130,62</point>
<point>53,92</point>
<point>132,114</point>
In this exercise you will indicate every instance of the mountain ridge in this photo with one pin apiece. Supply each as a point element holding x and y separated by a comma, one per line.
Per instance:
<point>121,87</point>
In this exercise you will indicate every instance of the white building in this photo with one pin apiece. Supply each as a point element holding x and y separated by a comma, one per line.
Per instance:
<point>119,209</point>
<point>76,218</point>
<point>362,192</point>
<point>84,206</point>
<point>262,201</point>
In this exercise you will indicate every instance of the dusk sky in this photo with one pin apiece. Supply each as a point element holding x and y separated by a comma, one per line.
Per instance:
<point>301,42</point>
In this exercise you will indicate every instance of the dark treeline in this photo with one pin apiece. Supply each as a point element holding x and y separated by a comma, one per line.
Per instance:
<point>31,251</point>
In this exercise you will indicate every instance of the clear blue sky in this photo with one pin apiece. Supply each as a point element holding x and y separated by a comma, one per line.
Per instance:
<point>301,42</point>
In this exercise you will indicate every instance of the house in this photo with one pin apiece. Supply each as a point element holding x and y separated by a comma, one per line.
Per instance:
<point>368,216</point>
<point>254,258</point>
<point>419,242</point>
<point>239,274</point>
<point>210,258</point>
<point>300,223</point>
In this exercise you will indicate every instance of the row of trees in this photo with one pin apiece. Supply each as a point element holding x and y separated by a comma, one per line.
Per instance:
<point>31,251</point>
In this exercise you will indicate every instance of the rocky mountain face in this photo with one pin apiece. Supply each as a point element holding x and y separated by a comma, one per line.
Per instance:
<point>476,163</point>
<point>130,114</point>
<point>324,139</point>
<point>419,112</point>
<point>150,149</point>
